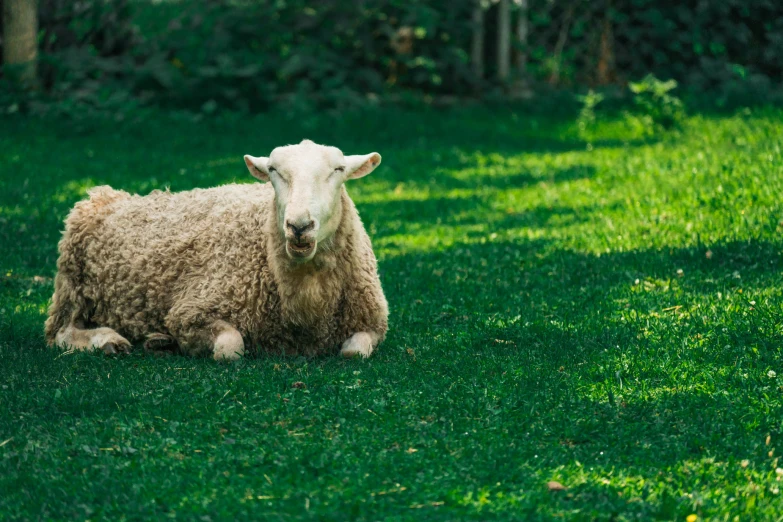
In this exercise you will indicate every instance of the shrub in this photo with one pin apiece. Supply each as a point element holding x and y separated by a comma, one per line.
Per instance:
<point>587,119</point>
<point>657,109</point>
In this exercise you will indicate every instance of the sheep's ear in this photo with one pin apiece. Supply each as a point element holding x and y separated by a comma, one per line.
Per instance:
<point>258,167</point>
<point>360,166</point>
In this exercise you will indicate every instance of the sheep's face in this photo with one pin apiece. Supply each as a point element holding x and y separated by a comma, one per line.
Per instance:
<point>308,180</point>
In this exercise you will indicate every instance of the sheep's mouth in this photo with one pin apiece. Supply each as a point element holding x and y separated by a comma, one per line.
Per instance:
<point>300,248</point>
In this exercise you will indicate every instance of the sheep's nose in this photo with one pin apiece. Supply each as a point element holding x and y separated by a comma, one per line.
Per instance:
<point>301,226</point>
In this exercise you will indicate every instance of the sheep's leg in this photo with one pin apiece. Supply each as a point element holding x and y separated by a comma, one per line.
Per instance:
<point>218,337</point>
<point>227,342</point>
<point>104,339</point>
<point>360,344</point>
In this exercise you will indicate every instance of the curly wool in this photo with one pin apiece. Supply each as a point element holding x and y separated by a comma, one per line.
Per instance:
<point>179,264</point>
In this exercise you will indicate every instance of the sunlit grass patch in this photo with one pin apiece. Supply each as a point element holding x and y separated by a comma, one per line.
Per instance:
<point>73,190</point>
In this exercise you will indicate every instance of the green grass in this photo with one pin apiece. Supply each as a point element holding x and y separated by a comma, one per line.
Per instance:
<point>606,318</point>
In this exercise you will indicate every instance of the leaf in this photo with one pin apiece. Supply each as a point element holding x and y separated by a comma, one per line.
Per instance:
<point>554,485</point>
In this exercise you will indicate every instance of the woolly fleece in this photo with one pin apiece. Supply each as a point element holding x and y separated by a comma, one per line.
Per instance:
<point>193,264</point>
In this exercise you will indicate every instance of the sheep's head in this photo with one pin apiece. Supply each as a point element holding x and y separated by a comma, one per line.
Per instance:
<point>308,180</point>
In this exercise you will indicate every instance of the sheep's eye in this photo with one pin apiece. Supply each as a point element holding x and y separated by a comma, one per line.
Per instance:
<point>339,169</point>
<point>277,174</point>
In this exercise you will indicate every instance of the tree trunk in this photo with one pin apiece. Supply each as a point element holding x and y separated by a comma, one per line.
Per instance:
<point>554,78</point>
<point>477,45</point>
<point>20,40</point>
<point>522,35</point>
<point>504,39</point>
<point>605,70</point>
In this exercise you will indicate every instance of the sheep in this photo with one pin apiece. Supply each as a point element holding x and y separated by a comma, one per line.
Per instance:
<point>280,267</point>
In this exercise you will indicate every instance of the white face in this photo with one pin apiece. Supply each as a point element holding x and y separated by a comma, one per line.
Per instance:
<point>307,179</point>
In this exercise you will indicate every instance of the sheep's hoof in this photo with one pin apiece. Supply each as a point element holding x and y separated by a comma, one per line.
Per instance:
<point>160,343</point>
<point>104,339</point>
<point>358,345</point>
<point>116,346</point>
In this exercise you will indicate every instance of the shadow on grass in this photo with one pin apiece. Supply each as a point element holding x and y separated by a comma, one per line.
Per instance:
<point>480,204</point>
<point>464,212</point>
<point>619,342</point>
<point>518,361</point>
<point>536,281</point>
<point>458,174</point>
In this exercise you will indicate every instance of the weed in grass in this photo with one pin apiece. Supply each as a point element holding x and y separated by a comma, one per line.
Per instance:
<point>657,108</point>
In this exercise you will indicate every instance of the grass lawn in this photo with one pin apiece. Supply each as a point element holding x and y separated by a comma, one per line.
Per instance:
<point>607,317</point>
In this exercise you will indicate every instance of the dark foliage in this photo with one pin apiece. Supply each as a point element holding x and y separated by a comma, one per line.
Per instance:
<point>248,54</point>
